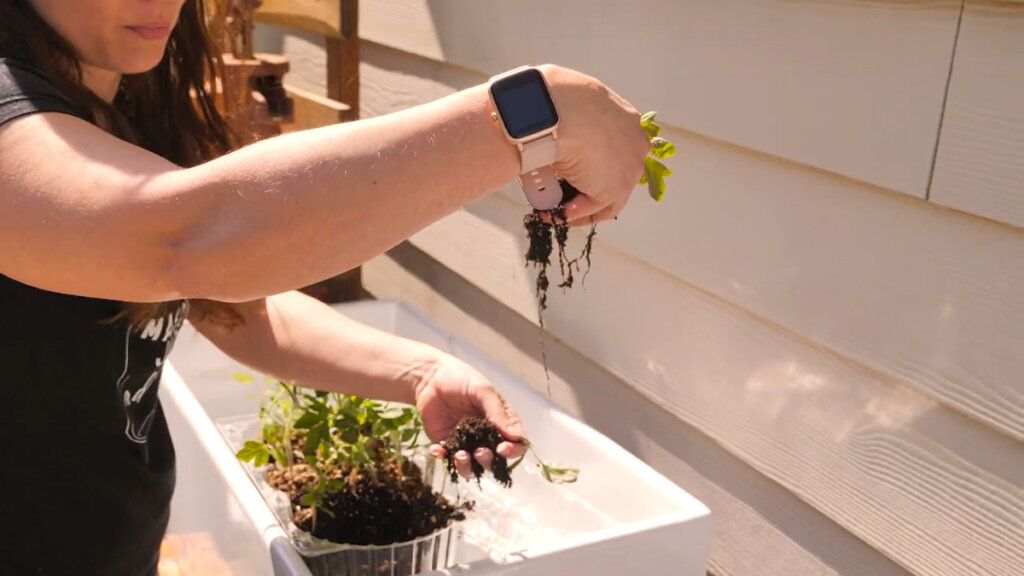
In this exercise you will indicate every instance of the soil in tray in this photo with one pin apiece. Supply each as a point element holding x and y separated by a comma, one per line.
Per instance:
<point>472,433</point>
<point>381,505</point>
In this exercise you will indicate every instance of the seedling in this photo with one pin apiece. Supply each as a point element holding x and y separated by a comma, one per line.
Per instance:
<point>550,472</point>
<point>473,432</point>
<point>654,171</point>
<point>540,232</point>
<point>337,454</point>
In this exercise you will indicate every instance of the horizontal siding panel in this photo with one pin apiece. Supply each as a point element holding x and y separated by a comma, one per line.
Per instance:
<point>938,493</point>
<point>391,80</point>
<point>980,162</point>
<point>925,296</point>
<point>851,87</point>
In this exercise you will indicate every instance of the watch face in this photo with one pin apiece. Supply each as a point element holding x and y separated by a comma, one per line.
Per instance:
<point>524,104</point>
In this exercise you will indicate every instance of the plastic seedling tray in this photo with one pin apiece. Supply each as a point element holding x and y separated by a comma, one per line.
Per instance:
<point>323,558</point>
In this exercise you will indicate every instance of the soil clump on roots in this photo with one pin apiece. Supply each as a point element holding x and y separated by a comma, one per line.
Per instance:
<point>471,433</point>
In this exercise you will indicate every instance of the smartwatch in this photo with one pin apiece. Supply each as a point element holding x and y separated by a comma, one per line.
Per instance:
<point>523,107</point>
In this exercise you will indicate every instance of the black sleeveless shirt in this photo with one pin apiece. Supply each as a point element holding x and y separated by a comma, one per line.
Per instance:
<point>88,464</point>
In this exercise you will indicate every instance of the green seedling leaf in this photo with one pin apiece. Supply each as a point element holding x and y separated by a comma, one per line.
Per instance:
<point>557,475</point>
<point>350,435</point>
<point>255,452</point>
<point>518,461</point>
<point>656,188</point>
<point>655,168</point>
<point>279,456</point>
<point>656,172</point>
<point>347,421</point>
<point>308,420</point>
<point>242,378</point>
<point>652,130</point>
<point>391,413</point>
<point>316,436</point>
<point>310,498</point>
<point>662,148</point>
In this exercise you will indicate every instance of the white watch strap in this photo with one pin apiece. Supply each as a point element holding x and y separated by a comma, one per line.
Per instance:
<point>540,152</point>
<point>538,178</point>
<point>541,188</point>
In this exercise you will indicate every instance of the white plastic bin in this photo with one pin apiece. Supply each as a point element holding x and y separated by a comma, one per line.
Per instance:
<point>621,517</point>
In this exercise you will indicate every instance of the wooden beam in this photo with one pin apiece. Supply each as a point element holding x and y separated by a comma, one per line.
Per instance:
<point>343,58</point>
<point>313,111</point>
<point>317,16</point>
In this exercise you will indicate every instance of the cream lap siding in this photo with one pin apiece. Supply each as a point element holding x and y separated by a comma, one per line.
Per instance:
<point>853,87</point>
<point>924,296</point>
<point>980,163</point>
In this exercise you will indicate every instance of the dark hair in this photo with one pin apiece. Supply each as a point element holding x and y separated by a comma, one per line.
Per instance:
<point>168,110</point>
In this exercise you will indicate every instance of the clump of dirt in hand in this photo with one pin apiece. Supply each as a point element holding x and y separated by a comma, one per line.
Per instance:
<point>378,505</point>
<point>471,433</point>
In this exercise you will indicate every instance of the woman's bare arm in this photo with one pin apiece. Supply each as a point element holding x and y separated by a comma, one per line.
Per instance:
<point>302,340</point>
<point>299,339</point>
<point>85,213</point>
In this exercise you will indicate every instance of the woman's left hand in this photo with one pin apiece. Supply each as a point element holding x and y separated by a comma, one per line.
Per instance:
<point>451,390</point>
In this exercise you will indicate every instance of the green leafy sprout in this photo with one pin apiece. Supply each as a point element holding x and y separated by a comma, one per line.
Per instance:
<point>551,473</point>
<point>332,433</point>
<point>654,171</point>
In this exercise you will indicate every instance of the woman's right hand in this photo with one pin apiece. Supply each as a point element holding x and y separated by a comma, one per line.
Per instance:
<point>601,145</point>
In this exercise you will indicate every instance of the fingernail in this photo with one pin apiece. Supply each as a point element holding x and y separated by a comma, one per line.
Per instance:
<point>479,453</point>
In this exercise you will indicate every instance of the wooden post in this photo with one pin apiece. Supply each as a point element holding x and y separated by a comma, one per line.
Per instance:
<point>343,59</point>
<point>343,86</point>
<point>252,96</point>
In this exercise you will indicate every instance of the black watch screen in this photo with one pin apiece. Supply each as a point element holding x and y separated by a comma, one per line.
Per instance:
<point>523,103</point>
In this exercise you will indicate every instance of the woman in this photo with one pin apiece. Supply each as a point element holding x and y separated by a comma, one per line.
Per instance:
<point>123,213</point>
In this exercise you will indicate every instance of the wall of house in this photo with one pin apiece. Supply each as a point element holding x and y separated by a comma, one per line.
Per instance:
<point>820,330</point>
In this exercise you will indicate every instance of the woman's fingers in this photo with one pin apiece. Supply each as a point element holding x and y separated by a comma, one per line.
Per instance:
<point>437,451</point>
<point>582,207</point>
<point>498,411</point>
<point>511,450</point>
<point>463,465</point>
<point>483,456</point>
<point>608,213</point>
